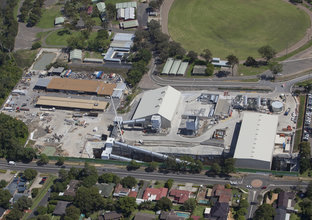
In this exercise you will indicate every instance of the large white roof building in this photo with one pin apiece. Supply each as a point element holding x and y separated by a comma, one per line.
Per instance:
<point>162,101</point>
<point>255,144</point>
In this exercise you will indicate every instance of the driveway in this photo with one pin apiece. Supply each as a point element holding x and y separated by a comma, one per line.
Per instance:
<point>142,15</point>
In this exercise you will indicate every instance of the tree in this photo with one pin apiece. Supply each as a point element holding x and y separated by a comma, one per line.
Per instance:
<point>23,203</point>
<point>306,207</point>
<point>275,67</point>
<point>14,214</point>
<point>60,161</point>
<point>41,210</point>
<point>164,204</point>
<point>111,11</point>
<point>309,190</point>
<point>5,197</point>
<point>232,61</point>
<point>30,174</point>
<point>34,192</point>
<point>128,182</point>
<point>133,165</point>
<point>304,156</point>
<point>207,55</point>
<point>209,70</point>
<point>109,178</point>
<point>3,184</point>
<point>264,212</point>
<point>147,205</point>
<point>126,205</point>
<point>63,175</point>
<point>228,166</point>
<point>43,160</point>
<point>36,45</point>
<point>267,52</point>
<point>88,175</point>
<point>192,56</point>
<point>243,204</point>
<point>169,183</point>
<point>88,200</point>
<point>72,213</point>
<point>28,154</point>
<point>190,205</point>
<point>215,169</point>
<point>152,166</point>
<point>250,61</point>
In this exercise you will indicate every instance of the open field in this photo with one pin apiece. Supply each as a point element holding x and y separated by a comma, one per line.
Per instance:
<point>48,16</point>
<point>249,71</point>
<point>239,28</point>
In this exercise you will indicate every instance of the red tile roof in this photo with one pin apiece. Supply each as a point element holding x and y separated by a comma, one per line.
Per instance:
<point>152,194</point>
<point>90,10</point>
<point>133,194</point>
<point>223,193</point>
<point>119,189</point>
<point>180,196</point>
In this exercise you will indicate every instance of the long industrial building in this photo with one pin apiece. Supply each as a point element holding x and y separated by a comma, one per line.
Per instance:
<point>92,87</point>
<point>163,102</point>
<point>255,144</point>
<point>70,103</point>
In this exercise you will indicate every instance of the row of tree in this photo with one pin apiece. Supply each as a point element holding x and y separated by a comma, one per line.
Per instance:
<point>305,156</point>
<point>35,13</point>
<point>226,167</point>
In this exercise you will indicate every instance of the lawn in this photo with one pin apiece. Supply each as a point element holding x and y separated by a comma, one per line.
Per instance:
<point>96,55</point>
<point>199,211</point>
<point>249,71</point>
<point>55,39</point>
<point>48,16</point>
<point>240,28</point>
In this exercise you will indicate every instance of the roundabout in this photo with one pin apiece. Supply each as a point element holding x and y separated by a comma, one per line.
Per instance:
<point>238,28</point>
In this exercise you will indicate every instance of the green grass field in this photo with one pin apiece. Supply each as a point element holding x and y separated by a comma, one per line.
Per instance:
<point>240,28</point>
<point>48,16</point>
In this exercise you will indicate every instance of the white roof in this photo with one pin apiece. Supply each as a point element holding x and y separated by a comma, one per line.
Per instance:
<point>256,137</point>
<point>162,101</point>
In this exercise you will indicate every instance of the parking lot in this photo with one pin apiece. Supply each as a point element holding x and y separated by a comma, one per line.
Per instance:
<point>306,136</point>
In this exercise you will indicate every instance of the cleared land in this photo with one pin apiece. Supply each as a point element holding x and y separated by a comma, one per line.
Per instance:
<point>241,27</point>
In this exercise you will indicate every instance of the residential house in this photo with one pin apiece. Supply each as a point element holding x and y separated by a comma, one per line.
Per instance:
<point>281,214</point>
<point>106,189</point>
<point>220,211</point>
<point>170,216</point>
<point>120,191</point>
<point>144,216</point>
<point>180,196</point>
<point>153,194</point>
<point>207,212</point>
<point>133,194</point>
<point>60,208</point>
<point>71,188</point>
<point>224,195</point>
<point>110,216</point>
<point>75,55</point>
<point>286,200</point>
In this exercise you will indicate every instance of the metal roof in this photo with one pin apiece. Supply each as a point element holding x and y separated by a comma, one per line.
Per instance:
<point>43,82</point>
<point>256,137</point>
<point>175,67</point>
<point>162,101</point>
<point>126,5</point>
<point>167,66</point>
<point>129,24</point>
<point>59,20</point>
<point>75,54</point>
<point>101,7</point>
<point>71,103</point>
<point>182,68</point>
<point>129,13</point>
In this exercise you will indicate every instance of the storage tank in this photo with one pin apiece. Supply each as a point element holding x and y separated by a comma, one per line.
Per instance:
<point>277,106</point>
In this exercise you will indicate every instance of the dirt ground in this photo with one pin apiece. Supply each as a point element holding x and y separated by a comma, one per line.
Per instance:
<point>6,176</point>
